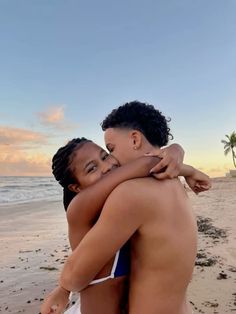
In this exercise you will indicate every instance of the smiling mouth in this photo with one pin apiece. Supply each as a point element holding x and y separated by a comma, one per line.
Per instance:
<point>112,168</point>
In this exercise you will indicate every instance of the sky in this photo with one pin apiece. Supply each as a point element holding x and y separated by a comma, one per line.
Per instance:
<point>64,65</point>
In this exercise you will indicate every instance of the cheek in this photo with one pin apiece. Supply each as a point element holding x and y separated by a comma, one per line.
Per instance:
<point>92,178</point>
<point>112,160</point>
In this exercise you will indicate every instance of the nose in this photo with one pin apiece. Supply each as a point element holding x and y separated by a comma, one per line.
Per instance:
<point>107,166</point>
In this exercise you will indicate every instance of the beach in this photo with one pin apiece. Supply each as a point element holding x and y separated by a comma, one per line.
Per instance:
<point>213,288</point>
<point>34,246</point>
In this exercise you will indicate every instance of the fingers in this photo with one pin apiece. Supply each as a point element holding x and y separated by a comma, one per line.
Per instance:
<point>172,170</point>
<point>52,309</point>
<point>202,187</point>
<point>169,172</point>
<point>47,311</point>
<point>59,310</point>
<point>158,167</point>
<point>165,175</point>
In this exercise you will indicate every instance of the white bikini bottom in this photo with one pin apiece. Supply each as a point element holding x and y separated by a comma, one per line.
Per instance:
<point>74,309</point>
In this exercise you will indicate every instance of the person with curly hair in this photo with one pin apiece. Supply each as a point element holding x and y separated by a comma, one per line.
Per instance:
<point>136,137</point>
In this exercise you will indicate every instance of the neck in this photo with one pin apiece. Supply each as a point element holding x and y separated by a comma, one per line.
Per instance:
<point>146,148</point>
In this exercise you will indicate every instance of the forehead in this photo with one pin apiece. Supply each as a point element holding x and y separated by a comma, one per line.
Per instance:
<point>111,135</point>
<point>88,152</point>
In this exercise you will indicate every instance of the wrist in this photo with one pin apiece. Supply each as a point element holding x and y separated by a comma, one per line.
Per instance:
<point>187,171</point>
<point>64,289</point>
<point>191,171</point>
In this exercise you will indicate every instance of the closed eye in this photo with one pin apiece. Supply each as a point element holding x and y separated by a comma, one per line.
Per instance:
<point>110,148</point>
<point>91,169</point>
<point>105,156</point>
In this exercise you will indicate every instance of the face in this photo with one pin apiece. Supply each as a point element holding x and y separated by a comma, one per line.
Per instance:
<point>120,144</point>
<point>90,163</point>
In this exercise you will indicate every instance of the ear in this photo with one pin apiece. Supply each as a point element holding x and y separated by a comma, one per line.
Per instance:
<point>74,187</point>
<point>136,139</point>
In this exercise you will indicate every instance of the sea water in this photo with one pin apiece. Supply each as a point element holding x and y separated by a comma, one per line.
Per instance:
<point>15,190</point>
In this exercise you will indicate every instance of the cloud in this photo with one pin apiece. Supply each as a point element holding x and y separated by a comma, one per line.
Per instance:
<point>17,136</point>
<point>18,154</point>
<point>21,164</point>
<point>54,117</point>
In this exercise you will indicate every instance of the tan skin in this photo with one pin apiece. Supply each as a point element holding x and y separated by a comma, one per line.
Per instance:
<point>84,210</point>
<point>105,297</point>
<point>163,237</point>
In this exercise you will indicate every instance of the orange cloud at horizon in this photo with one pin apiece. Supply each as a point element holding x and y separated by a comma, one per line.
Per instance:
<point>18,156</point>
<point>15,156</point>
<point>17,136</point>
<point>22,164</point>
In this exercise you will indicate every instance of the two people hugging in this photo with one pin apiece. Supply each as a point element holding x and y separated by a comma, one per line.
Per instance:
<point>132,230</point>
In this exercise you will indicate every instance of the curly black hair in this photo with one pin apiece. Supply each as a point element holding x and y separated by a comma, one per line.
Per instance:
<point>61,170</point>
<point>142,117</point>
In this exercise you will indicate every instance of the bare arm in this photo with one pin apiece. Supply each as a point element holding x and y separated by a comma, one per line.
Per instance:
<point>114,227</point>
<point>86,207</point>
<point>91,200</point>
<point>171,161</point>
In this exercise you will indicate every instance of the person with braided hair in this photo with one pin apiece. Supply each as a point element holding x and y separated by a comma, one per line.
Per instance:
<point>77,166</point>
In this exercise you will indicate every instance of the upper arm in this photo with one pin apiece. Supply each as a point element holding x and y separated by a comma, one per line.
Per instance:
<point>119,220</point>
<point>79,222</point>
<point>87,205</point>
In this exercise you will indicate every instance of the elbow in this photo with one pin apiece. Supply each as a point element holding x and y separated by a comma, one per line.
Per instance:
<point>71,277</point>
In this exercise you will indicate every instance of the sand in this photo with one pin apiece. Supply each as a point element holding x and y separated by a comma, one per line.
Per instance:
<point>33,237</point>
<point>34,245</point>
<point>213,288</point>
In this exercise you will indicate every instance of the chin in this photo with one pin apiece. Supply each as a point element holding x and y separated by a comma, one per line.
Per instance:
<point>124,161</point>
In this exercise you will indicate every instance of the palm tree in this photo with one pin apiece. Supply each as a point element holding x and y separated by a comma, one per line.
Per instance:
<point>230,145</point>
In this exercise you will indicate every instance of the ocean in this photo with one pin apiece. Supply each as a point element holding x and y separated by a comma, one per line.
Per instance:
<point>16,190</point>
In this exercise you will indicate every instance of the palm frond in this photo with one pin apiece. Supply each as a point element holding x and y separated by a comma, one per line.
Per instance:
<point>224,142</point>
<point>227,150</point>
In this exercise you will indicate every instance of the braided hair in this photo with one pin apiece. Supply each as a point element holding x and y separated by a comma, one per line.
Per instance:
<point>61,162</point>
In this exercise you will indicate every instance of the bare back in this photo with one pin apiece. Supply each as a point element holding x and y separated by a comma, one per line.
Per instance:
<point>163,249</point>
<point>158,219</point>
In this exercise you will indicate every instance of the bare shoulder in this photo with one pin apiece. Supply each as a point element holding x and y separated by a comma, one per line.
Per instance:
<point>143,184</point>
<point>123,197</point>
<point>129,192</point>
<point>124,204</point>
<point>141,189</point>
<point>135,199</point>
<point>129,187</point>
<point>73,209</point>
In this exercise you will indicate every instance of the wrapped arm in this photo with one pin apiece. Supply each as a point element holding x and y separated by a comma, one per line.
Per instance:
<point>86,207</point>
<point>120,218</point>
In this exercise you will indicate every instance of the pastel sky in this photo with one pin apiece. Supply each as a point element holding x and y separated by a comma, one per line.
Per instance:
<point>64,65</point>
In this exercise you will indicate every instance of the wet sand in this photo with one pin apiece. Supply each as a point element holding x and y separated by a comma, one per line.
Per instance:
<point>34,245</point>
